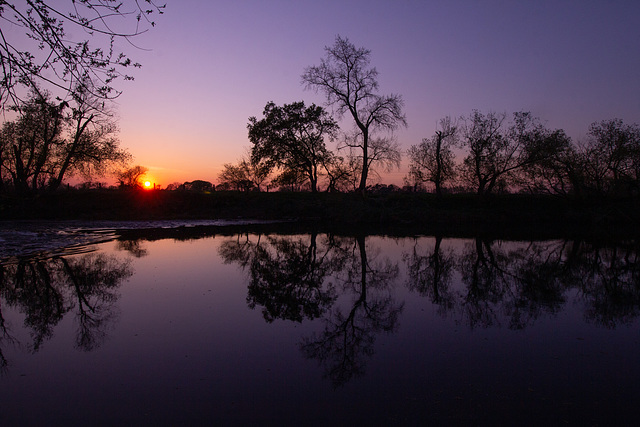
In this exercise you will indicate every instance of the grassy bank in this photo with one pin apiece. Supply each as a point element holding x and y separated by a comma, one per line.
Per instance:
<point>422,213</point>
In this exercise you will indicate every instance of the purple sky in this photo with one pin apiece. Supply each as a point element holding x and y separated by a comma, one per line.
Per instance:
<point>212,65</point>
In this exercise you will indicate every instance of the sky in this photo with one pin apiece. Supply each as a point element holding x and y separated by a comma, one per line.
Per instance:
<point>209,66</point>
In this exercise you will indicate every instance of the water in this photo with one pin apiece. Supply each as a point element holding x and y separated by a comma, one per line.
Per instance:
<point>295,328</point>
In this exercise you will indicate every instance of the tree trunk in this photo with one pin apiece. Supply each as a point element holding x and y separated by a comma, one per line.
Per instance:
<point>365,162</point>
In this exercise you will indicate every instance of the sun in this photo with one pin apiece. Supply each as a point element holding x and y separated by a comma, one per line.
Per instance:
<point>147,184</point>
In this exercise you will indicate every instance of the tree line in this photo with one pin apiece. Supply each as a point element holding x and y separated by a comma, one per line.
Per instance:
<point>54,137</point>
<point>483,153</point>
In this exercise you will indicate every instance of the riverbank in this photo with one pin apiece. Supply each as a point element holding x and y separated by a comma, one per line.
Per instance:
<point>514,215</point>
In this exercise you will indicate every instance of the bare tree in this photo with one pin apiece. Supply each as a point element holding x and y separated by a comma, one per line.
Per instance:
<point>433,160</point>
<point>498,152</point>
<point>350,86</point>
<point>64,44</point>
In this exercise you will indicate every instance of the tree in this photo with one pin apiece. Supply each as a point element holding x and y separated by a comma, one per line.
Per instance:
<point>350,85</point>
<point>66,45</point>
<point>433,160</point>
<point>497,152</point>
<point>244,176</point>
<point>383,151</point>
<point>340,173</point>
<point>292,137</point>
<point>28,142</point>
<point>52,140</point>
<point>132,177</point>
<point>560,173</point>
<point>611,157</point>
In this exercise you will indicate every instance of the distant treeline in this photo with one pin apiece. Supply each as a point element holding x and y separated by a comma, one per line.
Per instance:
<point>483,154</point>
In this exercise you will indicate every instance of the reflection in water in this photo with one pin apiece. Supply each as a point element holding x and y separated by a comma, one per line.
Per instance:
<point>349,333</point>
<point>522,282</point>
<point>47,289</point>
<point>289,278</point>
<point>430,274</point>
<point>134,246</point>
<point>499,283</point>
<point>545,331</point>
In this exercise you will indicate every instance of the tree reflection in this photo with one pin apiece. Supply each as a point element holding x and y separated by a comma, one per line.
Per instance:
<point>134,246</point>
<point>482,267</point>
<point>46,289</point>
<point>609,278</point>
<point>296,278</point>
<point>430,274</point>
<point>518,283</point>
<point>287,275</point>
<point>349,332</point>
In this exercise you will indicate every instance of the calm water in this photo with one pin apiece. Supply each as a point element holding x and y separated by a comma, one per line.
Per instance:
<point>317,329</point>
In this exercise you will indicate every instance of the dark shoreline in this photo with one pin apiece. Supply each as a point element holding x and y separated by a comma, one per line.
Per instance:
<point>512,216</point>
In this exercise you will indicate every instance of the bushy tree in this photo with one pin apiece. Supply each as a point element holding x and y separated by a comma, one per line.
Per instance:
<point>50,141</point>
<point>610,158</point>
<point>244,176</point>
<point>292,138</point>
<point>132,177</point>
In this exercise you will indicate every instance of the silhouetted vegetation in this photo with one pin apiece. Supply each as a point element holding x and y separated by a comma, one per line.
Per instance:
<point>453,215</point>
<point>48,289</point>
<point>350,86</point>
<point>291,138</point>
<point>49,141</point>
<point>68,47</point>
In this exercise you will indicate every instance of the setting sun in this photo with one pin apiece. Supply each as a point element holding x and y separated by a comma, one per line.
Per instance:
<point>147,184</point>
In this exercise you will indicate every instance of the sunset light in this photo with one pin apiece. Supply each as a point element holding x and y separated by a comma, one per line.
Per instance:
<point>306,212</point>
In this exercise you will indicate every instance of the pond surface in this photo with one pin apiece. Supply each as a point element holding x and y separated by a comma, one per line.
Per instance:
<point>317,329</point>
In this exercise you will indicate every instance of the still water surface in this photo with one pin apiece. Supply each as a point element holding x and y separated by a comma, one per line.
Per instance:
<point>319,329</point>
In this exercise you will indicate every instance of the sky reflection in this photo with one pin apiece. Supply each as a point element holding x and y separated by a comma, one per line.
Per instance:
<point>318,328</point>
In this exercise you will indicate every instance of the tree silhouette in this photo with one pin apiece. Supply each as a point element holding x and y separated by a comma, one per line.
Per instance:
<point>433,159</point>
<point>291,137</point>
<point>47,47</point>
<point>498,152</point>
<point>350,86</point>
<point>52,140</point>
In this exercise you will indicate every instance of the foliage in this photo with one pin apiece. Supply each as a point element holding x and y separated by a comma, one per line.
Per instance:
<point>350,86</point>
<point>66,44</point>
<point>52,140</point>
<point>245,176</point>
<point>291,137</point>
<point>198,185</point>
